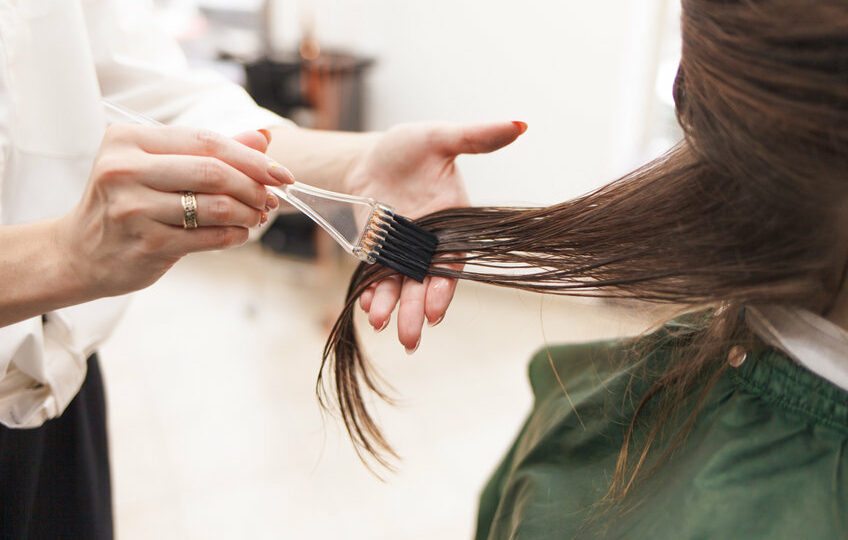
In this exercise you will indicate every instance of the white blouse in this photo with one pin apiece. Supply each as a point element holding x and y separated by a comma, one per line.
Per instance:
<point>57,58</point>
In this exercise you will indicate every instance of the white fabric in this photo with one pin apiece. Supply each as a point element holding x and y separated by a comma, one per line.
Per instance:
<point>56,58</point>
<point>812,341</point>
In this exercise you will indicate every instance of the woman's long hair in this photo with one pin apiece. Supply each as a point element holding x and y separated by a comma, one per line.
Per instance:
<point>744,211</point>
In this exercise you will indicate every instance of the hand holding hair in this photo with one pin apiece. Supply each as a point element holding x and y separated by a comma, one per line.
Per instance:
<point>412,168</point>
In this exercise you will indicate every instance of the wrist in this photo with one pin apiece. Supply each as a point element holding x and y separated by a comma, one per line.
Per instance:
<point>324,159</point>
<point>359,153</point>
<point>65,265</point>
<point>37,278</point>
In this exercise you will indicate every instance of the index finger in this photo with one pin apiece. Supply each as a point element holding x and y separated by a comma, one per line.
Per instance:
<point>204,142</point>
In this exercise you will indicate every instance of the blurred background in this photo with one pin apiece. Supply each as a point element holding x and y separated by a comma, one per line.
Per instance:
<point>219,435</point>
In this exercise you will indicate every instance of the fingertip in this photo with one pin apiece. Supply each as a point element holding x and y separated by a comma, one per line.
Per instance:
<point>410,337</point>
<point>279,173</point>
<point>522,126</point>
<point>383,302</point>
<point>377,317</point>
<point>253,139</point>
<point>432,323</point>
<point>365,299</point>
<point>377,321</point>
<point>439,296</point>
<point>271,202</point>
<point>265,133</point>
<point>411,350</point>
<point>485,138</point>
<point>242,236</point>
<point>382,326</point>
<point>410,320</point>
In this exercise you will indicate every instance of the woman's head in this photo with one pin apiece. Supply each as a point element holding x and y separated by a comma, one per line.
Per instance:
<point>743,211</point>
<point>762,92</point>
<point>762,96</point>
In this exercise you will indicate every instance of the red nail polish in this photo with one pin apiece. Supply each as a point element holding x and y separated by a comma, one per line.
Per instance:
<point>522,126</point>
<point>265,133</point>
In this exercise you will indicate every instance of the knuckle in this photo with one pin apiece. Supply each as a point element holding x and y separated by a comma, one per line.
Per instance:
<point>208,141</point>
<point>116,133</point>
<point>221,210</point>
<point>123,211</point>
<point>260,197</point>
<point>110,169</point>
<point>211,175</point>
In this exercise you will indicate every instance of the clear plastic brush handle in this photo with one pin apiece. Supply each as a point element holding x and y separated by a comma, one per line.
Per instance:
<point>344,217</point>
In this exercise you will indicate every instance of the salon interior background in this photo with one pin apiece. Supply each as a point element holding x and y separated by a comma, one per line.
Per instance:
<point>218,433</point>
<point>592,79</point>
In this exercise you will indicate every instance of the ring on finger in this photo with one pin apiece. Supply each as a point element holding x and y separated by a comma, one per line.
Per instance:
<point>189,210</point>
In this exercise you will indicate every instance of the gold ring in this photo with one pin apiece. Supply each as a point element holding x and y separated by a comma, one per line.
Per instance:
<point>189,210</point>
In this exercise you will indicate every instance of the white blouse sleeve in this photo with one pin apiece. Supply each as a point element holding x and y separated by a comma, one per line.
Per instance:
<point>140,67</point>
<point>43,362</point>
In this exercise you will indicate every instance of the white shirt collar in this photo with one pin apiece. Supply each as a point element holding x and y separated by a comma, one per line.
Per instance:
<point>812,341</point>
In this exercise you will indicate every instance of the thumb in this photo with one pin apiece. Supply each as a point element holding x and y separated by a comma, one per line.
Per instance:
<point>482,138</point>
<point>257,139</point>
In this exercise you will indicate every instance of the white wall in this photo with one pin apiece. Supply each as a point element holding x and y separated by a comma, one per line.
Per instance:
<point>557,65</point>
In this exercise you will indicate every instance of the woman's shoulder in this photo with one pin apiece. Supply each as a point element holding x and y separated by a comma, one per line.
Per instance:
<point>602,360</point>
<point>769,434</point>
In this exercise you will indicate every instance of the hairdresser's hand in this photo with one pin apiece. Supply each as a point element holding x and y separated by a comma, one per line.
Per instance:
<point>412,168</point>
<point>127,229</point>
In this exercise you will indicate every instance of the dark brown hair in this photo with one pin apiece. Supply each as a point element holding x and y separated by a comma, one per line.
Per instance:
<point>743,211</point>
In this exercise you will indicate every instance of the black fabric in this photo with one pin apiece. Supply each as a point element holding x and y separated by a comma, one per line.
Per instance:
<point>54,480</point>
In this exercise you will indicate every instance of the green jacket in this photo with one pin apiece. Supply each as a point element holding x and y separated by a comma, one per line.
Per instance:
<point>767,456</point>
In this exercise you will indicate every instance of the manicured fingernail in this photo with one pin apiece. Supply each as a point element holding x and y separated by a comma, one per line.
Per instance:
<point>383,327</point>
<point>263,219</point>
<point>412,350</point>
<point>437,283</point>
<point>271,202</point>
<point>522,127</point>
<point>434,323</point>
<point>279,173</point>
<point>265,133</point>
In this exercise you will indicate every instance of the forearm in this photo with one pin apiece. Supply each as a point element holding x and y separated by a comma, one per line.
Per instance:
<point>34,274</point>
<point>319,158</point>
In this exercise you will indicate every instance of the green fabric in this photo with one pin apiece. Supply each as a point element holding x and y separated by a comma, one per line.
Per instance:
<point>765,458</point>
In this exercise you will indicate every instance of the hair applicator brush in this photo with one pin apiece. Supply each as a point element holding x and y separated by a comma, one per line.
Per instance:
<point>364,227</point>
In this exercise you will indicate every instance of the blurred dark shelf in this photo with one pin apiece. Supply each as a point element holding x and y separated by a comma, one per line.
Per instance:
<point>332,85</point>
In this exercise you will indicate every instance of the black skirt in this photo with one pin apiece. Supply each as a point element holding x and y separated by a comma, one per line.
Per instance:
<point>54,480</point>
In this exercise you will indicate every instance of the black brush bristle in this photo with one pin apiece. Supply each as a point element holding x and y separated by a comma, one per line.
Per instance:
<point>406,248</point>
<point>415,231</point>
<point>409,235</point>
